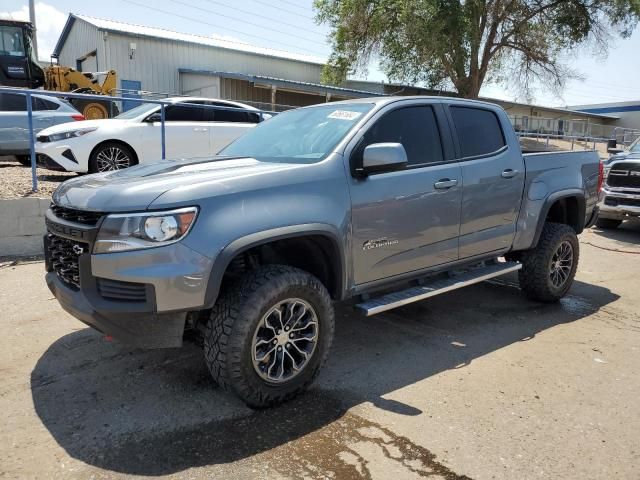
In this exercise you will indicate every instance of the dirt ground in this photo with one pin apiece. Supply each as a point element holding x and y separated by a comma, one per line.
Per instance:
<point>479,383</point>
<point>15,180</point>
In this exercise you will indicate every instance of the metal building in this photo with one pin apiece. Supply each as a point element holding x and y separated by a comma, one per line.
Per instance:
<point>157,60</point>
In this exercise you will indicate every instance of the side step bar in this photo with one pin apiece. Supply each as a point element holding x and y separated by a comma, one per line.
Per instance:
<point>436,287</point>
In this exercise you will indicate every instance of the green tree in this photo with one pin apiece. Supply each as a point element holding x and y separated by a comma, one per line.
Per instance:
<point>462,44</point>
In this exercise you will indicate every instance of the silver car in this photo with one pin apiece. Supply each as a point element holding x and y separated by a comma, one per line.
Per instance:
<point>14,126</point>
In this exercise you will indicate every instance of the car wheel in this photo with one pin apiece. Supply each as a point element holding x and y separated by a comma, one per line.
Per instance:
<point>111,156</point>
<point>548,270</point>
<point>268,336</point>
<point>24,160</point>
<point>608,223</point>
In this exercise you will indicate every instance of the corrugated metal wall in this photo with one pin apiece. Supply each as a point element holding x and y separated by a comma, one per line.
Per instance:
<point>156,62</point>
<point>231,89</point>
<point>83,39</point>
<point>241,90</point>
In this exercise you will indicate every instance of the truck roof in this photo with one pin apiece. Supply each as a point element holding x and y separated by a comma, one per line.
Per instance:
<point>390,99</point>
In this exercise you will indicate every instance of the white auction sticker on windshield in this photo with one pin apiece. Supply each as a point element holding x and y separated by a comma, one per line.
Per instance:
<point>344,115</point>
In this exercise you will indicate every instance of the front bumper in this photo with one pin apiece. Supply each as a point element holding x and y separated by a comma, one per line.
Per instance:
<point>64,156</point>
<point>138,329</point>
<point>140,298</point>
<point>617,205</point>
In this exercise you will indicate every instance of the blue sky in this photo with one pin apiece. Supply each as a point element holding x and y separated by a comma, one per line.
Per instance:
<point>289,25</point>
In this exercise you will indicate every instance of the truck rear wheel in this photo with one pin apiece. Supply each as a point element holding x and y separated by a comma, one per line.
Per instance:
<point>548,270</point>
<point>268,336</point>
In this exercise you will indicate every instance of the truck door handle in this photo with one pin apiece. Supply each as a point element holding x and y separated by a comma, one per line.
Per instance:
<point>509,173</point>
<point>445,183</point>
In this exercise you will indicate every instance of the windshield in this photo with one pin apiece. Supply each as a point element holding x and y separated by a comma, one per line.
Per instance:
<point>635,146</point>
<point>137,111</point>
<point>306,135</point>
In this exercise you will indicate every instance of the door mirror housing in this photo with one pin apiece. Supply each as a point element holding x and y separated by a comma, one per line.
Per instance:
<point>383,157</point>
<point>154,117</point>
<point>614,151</point>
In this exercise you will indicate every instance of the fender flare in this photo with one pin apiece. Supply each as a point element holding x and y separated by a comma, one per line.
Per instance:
<point>553,198</point>
<point>242,244</point>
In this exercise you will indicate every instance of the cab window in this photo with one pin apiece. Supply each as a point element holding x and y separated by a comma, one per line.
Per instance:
<point>416,128</point>
<point>478,130</point>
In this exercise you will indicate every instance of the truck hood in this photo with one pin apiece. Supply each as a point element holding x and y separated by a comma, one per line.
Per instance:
<point>624,156</point>
<point>137,187</point>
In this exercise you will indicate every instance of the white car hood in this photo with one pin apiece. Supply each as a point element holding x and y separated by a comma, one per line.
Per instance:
<point>65,127</point>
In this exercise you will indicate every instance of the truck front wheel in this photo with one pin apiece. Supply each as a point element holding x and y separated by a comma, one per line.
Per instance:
<point>268,336</point>
<point>548,270</point>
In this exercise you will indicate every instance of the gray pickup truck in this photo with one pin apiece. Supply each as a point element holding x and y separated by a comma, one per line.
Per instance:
<point>382,201</point>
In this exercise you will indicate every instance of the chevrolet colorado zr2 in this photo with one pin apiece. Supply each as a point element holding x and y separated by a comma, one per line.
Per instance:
<point>383,201</point>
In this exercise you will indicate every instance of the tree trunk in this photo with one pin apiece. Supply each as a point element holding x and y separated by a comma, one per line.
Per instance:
<point>468,87</point>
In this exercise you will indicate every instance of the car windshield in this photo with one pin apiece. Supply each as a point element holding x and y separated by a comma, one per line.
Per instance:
<point>305,135</point>
<point>137,111</point>
<point>635,146</point>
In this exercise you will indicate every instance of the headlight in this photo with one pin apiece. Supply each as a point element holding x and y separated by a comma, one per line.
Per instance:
<point>134,231</point>
<point>56,137</point>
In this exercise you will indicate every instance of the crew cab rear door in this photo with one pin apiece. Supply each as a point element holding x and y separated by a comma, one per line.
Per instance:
<point>493,176</point>
<point>406,220</point>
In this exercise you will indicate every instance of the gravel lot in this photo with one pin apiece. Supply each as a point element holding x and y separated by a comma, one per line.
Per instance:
<point>15,180</point>
<point>478,383</point>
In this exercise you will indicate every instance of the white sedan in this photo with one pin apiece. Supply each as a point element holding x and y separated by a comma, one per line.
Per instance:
<point>135,136</point>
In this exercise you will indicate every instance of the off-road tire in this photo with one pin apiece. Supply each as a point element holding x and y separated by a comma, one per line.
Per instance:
<point>95,109</point>
<point>233,321</point>
<point>608,223</point>
<point>534,277</point>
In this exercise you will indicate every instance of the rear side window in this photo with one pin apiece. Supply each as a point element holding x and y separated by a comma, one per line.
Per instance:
<point>478,130</point>
<point>12,102</point>
<point>237,115</point>
<point>42,104</point>
<point>181,113</point>
<point>415,128</point>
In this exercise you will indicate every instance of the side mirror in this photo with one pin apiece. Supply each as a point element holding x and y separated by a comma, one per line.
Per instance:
<point>383,157</point>
<point>613,151</point>
<point>154,117</point>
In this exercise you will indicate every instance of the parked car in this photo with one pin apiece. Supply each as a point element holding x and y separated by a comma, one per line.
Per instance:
<point>621,199</point>
<point>413,196</point>
<point>135,136</point>
<point>14,125</point>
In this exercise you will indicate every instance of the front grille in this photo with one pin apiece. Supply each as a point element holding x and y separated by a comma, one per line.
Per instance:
<point>624,175</point>
<point>78,216</point>
<point>121,291</point>
<point>62,257</point>
<point>623,202</point>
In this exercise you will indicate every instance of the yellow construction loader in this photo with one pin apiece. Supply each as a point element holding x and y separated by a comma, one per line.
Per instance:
<point>65,79</point>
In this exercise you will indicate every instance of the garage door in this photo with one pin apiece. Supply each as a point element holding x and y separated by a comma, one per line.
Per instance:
<point>200,85</point>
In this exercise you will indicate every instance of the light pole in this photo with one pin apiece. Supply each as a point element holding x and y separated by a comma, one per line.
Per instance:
<point>32,18</point>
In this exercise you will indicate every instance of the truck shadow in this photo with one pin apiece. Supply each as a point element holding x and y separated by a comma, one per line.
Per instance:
<point>627,233</point>
<point>158,412</point>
